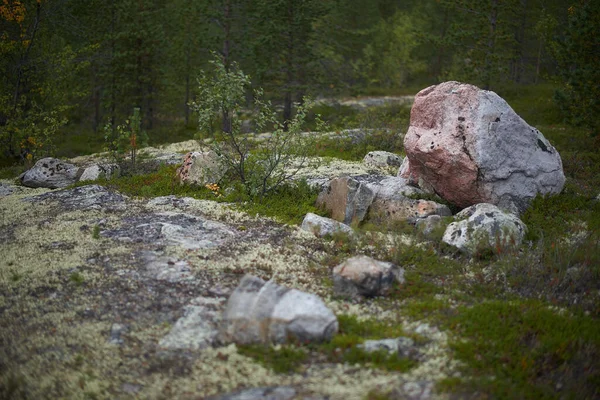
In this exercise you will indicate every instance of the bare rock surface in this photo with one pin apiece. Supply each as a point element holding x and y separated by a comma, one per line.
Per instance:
<point>322,226</point>
<point>484,225</point>
<point>82,198</point>
<point>364,276</point>
<point>198,328</point>
<point>5,189</point>
<point>262,393</point>
<point>471,147</point>
<point>264,312</point>
<point>51,173</point>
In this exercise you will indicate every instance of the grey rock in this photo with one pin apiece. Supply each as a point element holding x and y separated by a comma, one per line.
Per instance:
<point>5,189</point>
<point>420,390</point>
<point>178,229</point>
<point>198,328</point>
<point>404,347</point>
<point>84,197</point>
<point>322,226</point>
<point>484,226</point>
<point>346,199</point>
<point>391,186</point>
<point>261,393</point>
<point>382,159</point>
<point>166,268</point>
<point>365,276</point>
<point>98,171</point>
<point>116,331</point>
<point>264,312</point>
<point>51,173</point>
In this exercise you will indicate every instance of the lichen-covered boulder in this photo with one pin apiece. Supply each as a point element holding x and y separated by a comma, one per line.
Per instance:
<point>365,276</point>
<point>484,226</point>
<point>382,159</point>
<point>346,199</point>
<point>201,168</point>
<point>322,226</point>
<point>470,147</point>
<point>51,173</point>
<point>264,312</point>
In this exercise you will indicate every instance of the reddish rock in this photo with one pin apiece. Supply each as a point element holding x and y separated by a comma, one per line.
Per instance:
<point>470,147</point>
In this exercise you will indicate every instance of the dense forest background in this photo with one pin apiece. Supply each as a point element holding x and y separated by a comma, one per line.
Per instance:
<point>69,67</point>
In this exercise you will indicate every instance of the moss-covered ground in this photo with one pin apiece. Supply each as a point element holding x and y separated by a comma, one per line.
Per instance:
<point>524,324</point>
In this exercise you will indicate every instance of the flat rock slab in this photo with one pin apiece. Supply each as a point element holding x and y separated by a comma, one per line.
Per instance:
<point>262,393</point>
<point>84,198</point>
<point>5,189</point>
<point>178,229</point>
<point>198,328</point>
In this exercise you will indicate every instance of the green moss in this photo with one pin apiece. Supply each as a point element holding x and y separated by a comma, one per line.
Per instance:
<point>343,347</point>
<point>77,278</point>
<point>281,359</point>
<point>525,350</point>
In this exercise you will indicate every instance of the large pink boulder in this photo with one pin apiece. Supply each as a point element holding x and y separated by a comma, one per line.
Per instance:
<point>469,147</point>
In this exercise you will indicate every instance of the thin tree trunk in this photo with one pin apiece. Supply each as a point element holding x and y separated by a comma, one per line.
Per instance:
<point>226,57</point>
<point>491,44</point>
<point>287,102</point>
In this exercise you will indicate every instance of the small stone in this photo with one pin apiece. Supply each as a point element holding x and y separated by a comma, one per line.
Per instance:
<point>365,276</point>
<point>116,330</point>
<point>322,226</point>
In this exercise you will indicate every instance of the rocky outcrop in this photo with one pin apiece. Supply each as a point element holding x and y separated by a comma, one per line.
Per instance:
<point>322,226</point>
<point>201,168</point>
<point>51,173</point>
<point>364,276</point>
<point>470,147</point>
<point>261,393</point>
<point>264,312</point>
<point>354,199</point>
<point>484,226</point>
